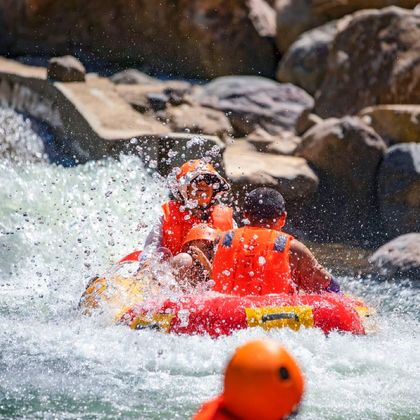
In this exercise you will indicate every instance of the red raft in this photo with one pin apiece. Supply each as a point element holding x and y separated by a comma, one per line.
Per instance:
<point>216,314</point>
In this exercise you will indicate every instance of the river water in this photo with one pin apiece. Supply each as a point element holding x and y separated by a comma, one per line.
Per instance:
<point>59,226</point>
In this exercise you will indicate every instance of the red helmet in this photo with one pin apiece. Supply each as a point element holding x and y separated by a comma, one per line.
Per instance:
<point>201,232</point>
<point>193,169</point>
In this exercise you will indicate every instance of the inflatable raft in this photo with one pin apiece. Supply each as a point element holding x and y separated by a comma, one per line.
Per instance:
<point>218,314</point>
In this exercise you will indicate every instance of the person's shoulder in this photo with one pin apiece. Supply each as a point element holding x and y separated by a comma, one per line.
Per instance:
<point>299,248</point>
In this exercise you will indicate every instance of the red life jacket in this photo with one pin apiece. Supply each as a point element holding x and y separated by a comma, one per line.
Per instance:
<point>253,261</point>
<point>177,223</point>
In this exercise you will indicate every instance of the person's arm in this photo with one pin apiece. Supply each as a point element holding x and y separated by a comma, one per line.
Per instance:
<point>307,273</point>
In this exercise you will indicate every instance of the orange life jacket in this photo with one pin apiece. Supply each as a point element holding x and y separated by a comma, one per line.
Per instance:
<point>177,223</point>
<point>253,261</point>
<point>213,410</point>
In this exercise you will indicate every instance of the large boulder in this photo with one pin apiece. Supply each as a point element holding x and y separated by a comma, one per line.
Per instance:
<point>297,16</point>
<point>255,103</point>
<point>346,154</point>
<point>248,169</point>
<point>66,69</point>
<point>399,188</point>
<point>399,257</point>
<point>394,123</point>
<point>206,38</point>
<point>374,60</point>
<point>305,62</point>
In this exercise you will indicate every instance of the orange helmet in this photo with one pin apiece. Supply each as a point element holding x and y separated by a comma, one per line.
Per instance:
<point>193,169</point>
<point>201,232</point>
<point>262,381</point>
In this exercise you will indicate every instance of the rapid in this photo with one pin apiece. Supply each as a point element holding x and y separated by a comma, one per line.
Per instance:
<point>60,226</point>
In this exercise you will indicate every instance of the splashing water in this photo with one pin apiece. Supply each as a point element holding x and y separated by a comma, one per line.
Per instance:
<point>58,227</point>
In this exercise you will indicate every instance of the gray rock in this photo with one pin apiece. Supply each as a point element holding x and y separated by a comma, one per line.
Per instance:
<point>66,69</point>
<point>399,257</point>
<point>399,188</point>
<point>305,62</point>
<point>253,103</point>
<point>131,77</point>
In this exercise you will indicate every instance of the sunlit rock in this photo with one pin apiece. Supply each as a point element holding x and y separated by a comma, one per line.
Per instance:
<point>198,119</point>
<point>394,123</point>
<point>297,16</point>
<point>131,77</point>
<point>139,95</point>
<point>373,61</point>
<point>248,169</point>
<point>399,257</point>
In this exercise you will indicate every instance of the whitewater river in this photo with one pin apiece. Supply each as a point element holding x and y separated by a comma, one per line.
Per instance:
<point>59,226</point>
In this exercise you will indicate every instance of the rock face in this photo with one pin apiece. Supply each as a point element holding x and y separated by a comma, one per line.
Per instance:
<point>394,123</point>
<point>346,154</point>
<point>248,169</point>
<point>66,69</point>
<point>399,188</point>
<point>255,103</point>
<point>197,38</point>
<point>297,16</point>
<point>305,62</point>
<point>399,257</point>
<point>374,60</point>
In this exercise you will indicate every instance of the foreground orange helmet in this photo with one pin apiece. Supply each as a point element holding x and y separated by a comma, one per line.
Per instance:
<point>201,232</point>
<point>262,381</point>
<point>192,169</point>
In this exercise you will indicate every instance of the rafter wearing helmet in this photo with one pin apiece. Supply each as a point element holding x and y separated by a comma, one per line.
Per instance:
<point>195,201</point>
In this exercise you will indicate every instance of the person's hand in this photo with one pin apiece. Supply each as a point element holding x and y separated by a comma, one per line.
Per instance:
<point>334,287</point>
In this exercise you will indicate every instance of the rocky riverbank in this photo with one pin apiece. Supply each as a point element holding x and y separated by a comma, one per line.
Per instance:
<point>338,134</point>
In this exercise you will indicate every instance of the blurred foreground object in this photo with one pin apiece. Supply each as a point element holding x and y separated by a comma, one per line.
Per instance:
<point>262,381</point>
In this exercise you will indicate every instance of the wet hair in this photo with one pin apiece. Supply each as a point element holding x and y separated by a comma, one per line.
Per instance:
<point>264,204</point>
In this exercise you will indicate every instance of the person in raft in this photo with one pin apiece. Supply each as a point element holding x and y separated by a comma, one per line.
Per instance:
<point>195,201</point>
<point>262,381</point>
<point>260,258</point>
